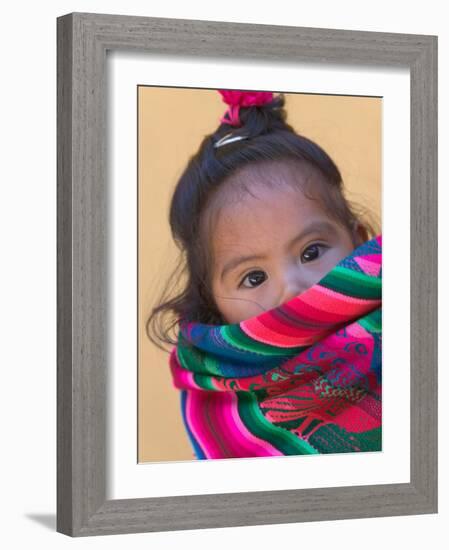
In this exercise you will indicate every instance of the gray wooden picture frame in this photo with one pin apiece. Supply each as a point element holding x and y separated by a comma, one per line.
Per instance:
<point>82,361</point>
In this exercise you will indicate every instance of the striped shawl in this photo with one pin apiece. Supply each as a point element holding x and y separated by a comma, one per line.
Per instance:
<point>302,378</point>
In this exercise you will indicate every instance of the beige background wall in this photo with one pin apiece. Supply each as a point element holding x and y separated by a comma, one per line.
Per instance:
<point>172,122</point>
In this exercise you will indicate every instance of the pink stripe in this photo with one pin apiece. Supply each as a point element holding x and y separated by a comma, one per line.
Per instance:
<point>217,415</point>
<point>333,302</point>
<point>253,443</point>
<point>311,314</point>
<point>190,418</point>
<point>262,334</point>
<point>357,331</point>
<point>369,266</point>
<point>333,308</point>
<point>182,378</point>
<point>194,416</point>
<point>224,417</point>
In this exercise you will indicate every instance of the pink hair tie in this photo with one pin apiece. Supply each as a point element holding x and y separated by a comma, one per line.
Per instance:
<point>237,98</point>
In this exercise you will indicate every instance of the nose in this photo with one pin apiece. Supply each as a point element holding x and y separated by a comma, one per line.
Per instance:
<point>292,286</point>
<point>290,294</point>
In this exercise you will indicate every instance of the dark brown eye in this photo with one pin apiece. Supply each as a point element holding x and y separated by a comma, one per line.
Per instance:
<point>312,252</point>
<point>254,277</point>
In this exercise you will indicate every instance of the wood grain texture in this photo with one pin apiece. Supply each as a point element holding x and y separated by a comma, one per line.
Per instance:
<point>82,248</point>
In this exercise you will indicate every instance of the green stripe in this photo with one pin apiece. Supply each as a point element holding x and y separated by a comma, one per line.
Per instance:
<point>253,418</point>
<point>204,382</point>
<point>353,283</point>
<point>194,360</point>
<point>373,321</point>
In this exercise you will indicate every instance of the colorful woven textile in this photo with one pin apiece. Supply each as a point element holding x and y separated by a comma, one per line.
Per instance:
<point>302,378</point>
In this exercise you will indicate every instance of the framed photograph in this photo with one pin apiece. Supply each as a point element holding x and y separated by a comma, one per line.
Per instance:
<point>206,377</point>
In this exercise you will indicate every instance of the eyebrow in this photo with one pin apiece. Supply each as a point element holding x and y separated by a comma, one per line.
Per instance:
<point>311,228</point>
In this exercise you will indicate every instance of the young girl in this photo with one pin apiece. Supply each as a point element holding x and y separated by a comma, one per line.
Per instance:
<point>278,346</point>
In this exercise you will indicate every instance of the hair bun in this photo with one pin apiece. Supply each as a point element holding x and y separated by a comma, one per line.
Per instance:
<point>246,99</point>
<point>239,98</point>
<point>252,114</point>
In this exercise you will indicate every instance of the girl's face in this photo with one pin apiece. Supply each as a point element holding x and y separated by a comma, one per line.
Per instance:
<point>269,247</point>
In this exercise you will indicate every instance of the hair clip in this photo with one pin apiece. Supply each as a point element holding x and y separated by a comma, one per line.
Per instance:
<point>228,138</point>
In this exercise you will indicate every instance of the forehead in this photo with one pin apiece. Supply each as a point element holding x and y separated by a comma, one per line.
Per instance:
<point>267,204</point>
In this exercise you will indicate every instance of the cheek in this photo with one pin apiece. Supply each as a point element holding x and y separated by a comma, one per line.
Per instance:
<point>331,258</point>
<point>220,289</point>
<point>341,252</point>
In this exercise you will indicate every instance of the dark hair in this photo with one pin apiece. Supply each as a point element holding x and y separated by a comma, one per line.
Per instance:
<point>270,139</point>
